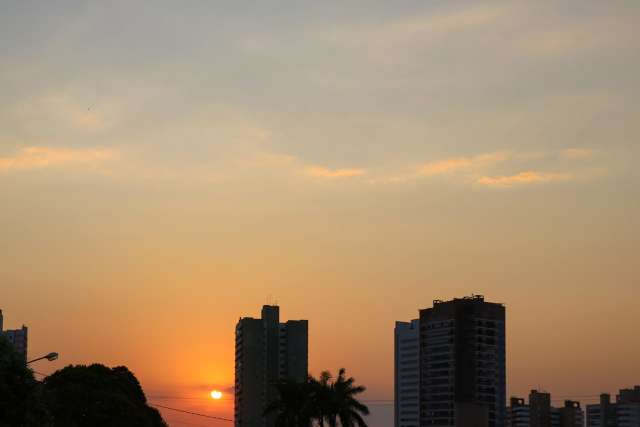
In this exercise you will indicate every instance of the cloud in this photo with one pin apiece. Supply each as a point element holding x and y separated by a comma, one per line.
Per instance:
<point>323,172</point>
<point>63,112</point>
<point>424,26</point>
<point>460,164</point>
<point>41,157</point>
<point>399,38</point>
<point>578,153</point>
<point>294,166</point>
<point>523,178</point>
<point>601,32</point>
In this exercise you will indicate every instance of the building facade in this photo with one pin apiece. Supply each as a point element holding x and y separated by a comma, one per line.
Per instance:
<point>461,366</point>
<point>462,362</point>
<point>625,412</point>
<point>518,413</point>
<point>540,409</point>
<point>569,415</point>
<point>267,351</point>
<point>539,412</point>
<point>407,374</point>
<point>17,337</point>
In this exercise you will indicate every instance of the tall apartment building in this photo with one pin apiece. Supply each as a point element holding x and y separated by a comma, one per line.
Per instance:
<point>17,337</point>
<point>462,367</point>
<point>266,351</point>
<point>625,412</point>
<point>462,362</point>
<point>407,374</point>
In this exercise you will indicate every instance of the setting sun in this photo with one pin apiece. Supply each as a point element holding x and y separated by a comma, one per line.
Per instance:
<point>215,394</point>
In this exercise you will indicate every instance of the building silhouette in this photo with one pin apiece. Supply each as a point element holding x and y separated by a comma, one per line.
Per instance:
<point>267,351</point>
<point>518,413</point>
<point>569,415</point>
<point>539,412</point>
<point>625,412</point>
<point>407,374</point>
<point>540,408</point>
<point>462,366</point>
<point>17,337</point>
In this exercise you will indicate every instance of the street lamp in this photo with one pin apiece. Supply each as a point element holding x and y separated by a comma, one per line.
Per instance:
<point>50,357</point>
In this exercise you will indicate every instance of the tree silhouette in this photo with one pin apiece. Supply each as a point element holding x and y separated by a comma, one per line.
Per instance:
<point>320,400</point>
<point>98,396</point>
<point>344,405</point>
<point>295,405</point>
<point>20,403</point>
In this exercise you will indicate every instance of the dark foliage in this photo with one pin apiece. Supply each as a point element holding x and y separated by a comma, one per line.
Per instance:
<point>319,401</point>
<point>97,396</point>
<point>20,404</point>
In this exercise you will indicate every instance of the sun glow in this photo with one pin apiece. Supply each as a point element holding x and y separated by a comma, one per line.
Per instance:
<point>216,395</point>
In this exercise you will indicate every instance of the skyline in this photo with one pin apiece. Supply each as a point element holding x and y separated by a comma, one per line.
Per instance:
<point>166,169</point>
<point>381,409</point>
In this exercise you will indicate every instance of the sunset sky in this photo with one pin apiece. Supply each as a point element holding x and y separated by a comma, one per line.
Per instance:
<point>167,167</point>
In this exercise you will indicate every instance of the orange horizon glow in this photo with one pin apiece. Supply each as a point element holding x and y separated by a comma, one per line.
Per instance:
<point>166,170</point>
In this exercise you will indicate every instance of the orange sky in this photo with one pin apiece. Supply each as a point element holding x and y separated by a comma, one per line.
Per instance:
<point>166,170</point>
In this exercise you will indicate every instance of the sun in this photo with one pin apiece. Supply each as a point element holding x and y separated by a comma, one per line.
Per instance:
<point>216,395</point>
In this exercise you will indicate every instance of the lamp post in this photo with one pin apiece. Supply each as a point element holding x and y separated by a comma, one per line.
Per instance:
<point>50,357</point>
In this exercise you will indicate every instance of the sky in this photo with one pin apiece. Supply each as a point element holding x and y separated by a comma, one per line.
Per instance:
<point>167,168</point>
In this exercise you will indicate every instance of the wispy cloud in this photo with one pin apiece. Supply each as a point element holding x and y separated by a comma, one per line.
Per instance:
<point>578,153</point>
<point>460,164</point>
<point>523,178</point>
<point>598,33</point>
<point>385,41</point>
<point>295,166</point>
<point>63,111</point>
<point>324,172</point>
<point>483,169</point>
<point>41,157</point>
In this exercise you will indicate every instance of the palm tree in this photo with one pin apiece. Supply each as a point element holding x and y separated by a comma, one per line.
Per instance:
<point>322,396</point>
<point>319,400</point>
<point>343,404</point>
<point>294,407</point>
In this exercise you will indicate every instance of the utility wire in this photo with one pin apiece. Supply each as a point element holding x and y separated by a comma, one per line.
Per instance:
<point>184,423</point>
<point>191,413</point>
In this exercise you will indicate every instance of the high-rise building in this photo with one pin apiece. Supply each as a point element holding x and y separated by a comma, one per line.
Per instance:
<point>540,409</point>
<point>266,351</point>
<point>17,337</point>
<point>462,372</point>
<point>625,412</point>
<point>462,362</point>
<point>407,374</point>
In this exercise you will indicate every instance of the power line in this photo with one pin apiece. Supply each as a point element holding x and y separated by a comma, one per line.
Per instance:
<point>169,397</point>
<point>165,397</point>
<point>191,413</point>
<point>184,423</point>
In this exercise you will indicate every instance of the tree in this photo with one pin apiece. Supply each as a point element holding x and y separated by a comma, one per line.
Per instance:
<point>295,405</point>
<point>343,403</point>
<point>20,404</point>
<point>322,396</point>
<point>319,400</point>
<point>98,396</point>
